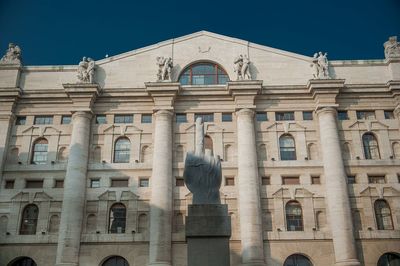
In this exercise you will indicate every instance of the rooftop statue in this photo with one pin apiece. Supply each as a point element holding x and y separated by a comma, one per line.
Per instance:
<point>242,68</point>
<point>320,66</point>
<point>164,68</point>
<point>12,55</point>
<point>392,48</point>
<point>202,172</point>
<point>86,70</point>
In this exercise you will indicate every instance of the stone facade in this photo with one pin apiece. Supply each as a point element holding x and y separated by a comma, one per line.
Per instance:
<point>286,139</point>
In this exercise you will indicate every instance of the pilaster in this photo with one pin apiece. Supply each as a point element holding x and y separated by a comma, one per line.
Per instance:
<point>244,92</point>
<point>163,94</point>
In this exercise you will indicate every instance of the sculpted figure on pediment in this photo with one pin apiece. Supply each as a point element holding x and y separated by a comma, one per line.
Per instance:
<point>320,66</point>
<point>86,70</point>
<point>164,68</point>
<point>242,67</point>
<point>392,48</point>
<point>12,55</point>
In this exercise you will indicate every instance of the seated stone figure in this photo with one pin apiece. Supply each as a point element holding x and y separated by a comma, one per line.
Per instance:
<point>203,177</point>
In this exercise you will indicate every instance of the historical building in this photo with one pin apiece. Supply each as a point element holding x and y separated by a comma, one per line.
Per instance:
<point>92,156</point>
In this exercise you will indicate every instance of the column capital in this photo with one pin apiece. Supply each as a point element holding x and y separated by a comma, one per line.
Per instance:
<point>83,95</point>
<point>245,112</point>
<point>326,109</point>
<point>244,92</point>
<point>324,91</point>
<point>164,113</point>
<point>83,114</point>
<point>163,94</point>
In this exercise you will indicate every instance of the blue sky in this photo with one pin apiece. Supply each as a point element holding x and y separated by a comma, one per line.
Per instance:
<point>52,32</point>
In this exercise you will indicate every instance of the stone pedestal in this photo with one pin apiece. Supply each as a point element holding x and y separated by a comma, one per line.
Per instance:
<point>208,229</point>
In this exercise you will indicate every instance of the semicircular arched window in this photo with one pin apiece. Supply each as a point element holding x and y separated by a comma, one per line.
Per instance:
<point>297,260</point>
<point>203,73</point>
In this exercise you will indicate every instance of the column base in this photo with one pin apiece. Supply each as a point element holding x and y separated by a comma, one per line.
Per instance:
<point>351,262</point>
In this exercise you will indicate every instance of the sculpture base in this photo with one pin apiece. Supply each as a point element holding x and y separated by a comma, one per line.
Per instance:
<point>208,229</point>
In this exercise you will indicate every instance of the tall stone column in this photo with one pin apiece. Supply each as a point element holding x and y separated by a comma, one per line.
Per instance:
<point>337,197</point>
<point>74,197</point>
<point>244,93</point>
<point>161,202</point>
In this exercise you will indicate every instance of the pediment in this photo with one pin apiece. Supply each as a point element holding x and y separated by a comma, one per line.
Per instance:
<point>292,193</point>
<point>31,196</point>
<point>41,130</point>
<point>118,195</point>
<point>134,68</point>
<point>286,126</point>
<point>380,191</point>
<point>213,128</point>
<point>122,129</point>
<point>368,125</point>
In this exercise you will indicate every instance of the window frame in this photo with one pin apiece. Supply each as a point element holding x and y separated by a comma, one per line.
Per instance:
<point>29,221</point>
<point>218,74</point>
<point>294,218</point>
<point>37,152</point>
<point>287,153</point>
<point>368,148</point>
<point>380,218</point>
<point>123,119</point>
<point>284,116</point>
<point>118,220</point>
<point>121,154</point>
<point>43,120</point>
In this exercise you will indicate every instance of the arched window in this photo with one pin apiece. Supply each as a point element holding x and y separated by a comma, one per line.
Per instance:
<point>91,223</point>
<point>29,220</point>
<point>146,154</point>
<point>346,151</point>
<point>287,148</point>
<point>262,152</point>
<point>13,156</point>
<point>204,73</point>
<point>321,220</point>
<point>294,216</point>
<point>142,223</point>
<point>179,153</point>
<point>389,259</point>
<point>24,261</point>
<point>208,144</point>
<point>115,261</point>
<point>122,150</point>
<point>371,148</point>
<point>117,219</point>
<point>383,215</point>
<point>63,154</point>
<point>297,260</point>
<point>396,150</point>
<point>96,154</point>
<point>54,224</point>
<point>39,155</point>
<point>228,153</point>
<point>312,151</point>
<point>3,224</point>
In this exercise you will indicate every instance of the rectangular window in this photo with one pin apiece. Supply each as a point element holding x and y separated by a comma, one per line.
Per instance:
<point>123,119</point>
<point>229,181</point>
<point>315,180</point>
<point>119,182</point>
<point>9,184</point>
<point>179,182</point>
<point>205,117</point>
<point>290,180</point>
<point>284,116</point>
<point>342,115</point>
<point>226,117</point>
<point>266,180</point>
<point>34,184</point>
<point>308,115</point>
<point>365,115</point>
<point>389,114</point>
<point>101,119</point>
<point>146,119</point>
<point>180,118</point>
<point>143,182</point>
<point>261,117</point>
<point>21,120</point>
<point>59,184</point>
<point>66,119</point>
<point>376,179</point>
<point>351,179</point>
<point>95,183</point>
<point>43,120</point>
